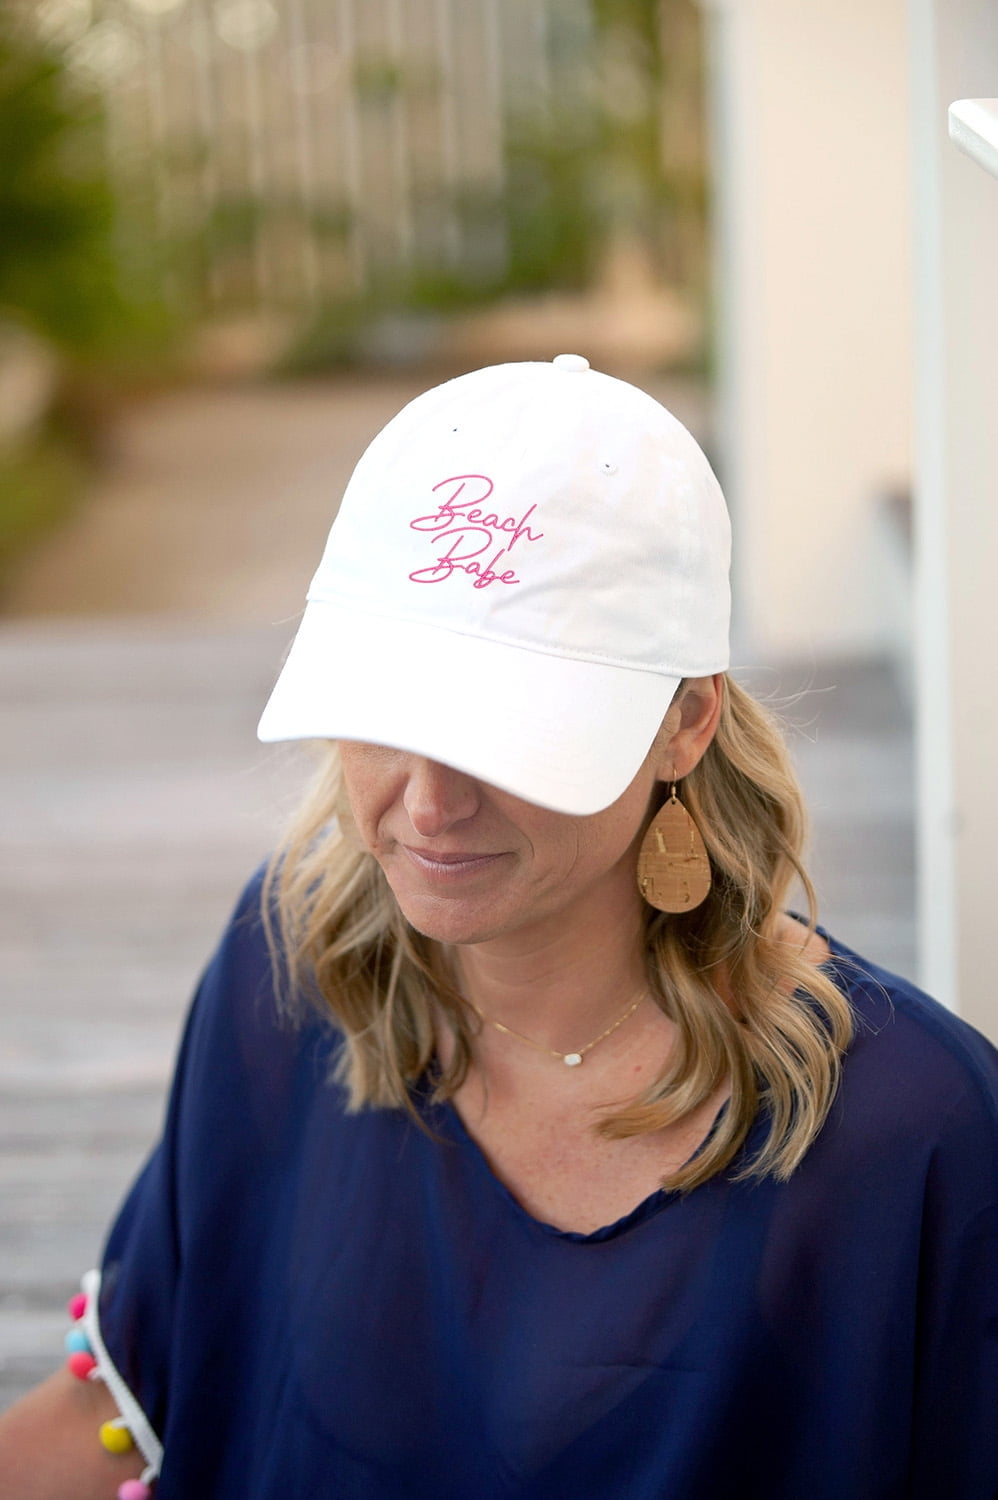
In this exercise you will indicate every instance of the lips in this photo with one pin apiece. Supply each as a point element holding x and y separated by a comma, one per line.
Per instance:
<point>455,862</point>
<point>435,856</point>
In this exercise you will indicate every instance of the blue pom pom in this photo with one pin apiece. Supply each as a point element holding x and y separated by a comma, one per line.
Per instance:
<point>77,1342</point>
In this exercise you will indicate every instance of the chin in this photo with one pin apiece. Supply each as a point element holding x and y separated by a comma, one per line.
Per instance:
<point>445,923</point>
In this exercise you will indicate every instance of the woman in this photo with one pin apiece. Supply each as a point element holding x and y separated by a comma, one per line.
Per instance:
<point>521,1144</point>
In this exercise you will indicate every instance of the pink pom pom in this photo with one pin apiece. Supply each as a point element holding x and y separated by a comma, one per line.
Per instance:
<point>77,1306</point>
<point>134,1489</point>
<point>81,1364</point>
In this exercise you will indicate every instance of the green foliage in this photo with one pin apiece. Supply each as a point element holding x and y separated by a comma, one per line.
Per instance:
<point>586,164</point>
<point>74,269</point>
<point>65,262</point>
<point>377,81</point>
<point>551,207</point>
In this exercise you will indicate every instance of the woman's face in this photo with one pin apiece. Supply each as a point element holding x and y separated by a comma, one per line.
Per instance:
<point>469,863</point>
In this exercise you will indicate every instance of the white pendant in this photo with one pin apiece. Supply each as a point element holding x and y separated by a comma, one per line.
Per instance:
<point>572,1059</point>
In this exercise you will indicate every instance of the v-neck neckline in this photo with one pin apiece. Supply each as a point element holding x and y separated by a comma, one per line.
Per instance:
<point>445,1117</point>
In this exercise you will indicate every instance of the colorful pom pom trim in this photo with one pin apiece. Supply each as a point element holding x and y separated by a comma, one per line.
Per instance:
<point>134,1489</point>
<point>89,1360</point>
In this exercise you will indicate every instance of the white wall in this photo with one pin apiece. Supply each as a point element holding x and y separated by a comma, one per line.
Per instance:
<point>955,55</point>
<point>811,138</point>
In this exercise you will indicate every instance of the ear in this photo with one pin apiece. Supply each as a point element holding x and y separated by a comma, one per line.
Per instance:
<point>689,726</point>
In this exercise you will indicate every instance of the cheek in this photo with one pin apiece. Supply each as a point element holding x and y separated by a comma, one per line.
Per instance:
<point>367,794</point>
<point>359,821</point>
<point>368,811</point>
<point>556,858</point>
<point>586,848</point>
<point>615,838</point>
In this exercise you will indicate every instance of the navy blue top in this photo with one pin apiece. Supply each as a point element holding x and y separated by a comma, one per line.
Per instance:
<point>312,1303</point>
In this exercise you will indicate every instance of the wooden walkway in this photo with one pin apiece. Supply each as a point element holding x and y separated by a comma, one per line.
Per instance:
<point>135,802</point>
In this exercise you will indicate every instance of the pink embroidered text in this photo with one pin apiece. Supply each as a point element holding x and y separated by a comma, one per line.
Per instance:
<point>471,531</point>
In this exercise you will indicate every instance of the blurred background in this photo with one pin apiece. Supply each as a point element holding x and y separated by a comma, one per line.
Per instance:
<point>204,192</point>
<point>236,235</point>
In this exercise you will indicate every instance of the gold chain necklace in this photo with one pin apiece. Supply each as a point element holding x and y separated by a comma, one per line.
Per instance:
<point>570,1059</point>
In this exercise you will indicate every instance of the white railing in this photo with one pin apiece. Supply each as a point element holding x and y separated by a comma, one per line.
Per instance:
<point>973,126</point>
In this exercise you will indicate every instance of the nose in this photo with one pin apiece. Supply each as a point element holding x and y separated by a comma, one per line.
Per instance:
<point>437,796</point>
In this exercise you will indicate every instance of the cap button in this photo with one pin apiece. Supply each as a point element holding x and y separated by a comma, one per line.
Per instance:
<point>571,362</point>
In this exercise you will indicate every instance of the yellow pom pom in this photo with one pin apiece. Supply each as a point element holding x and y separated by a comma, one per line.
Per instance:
<point>116,1438</point>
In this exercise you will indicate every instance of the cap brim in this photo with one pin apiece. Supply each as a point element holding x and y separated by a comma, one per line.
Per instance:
<point>566,734</point>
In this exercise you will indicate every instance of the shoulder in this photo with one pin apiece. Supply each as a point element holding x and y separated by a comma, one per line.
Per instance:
<point>908,1156</point>
<point>239,980</point>
<point>912,1061</point>
<point>244,1034</point>
<point>245,930</point>
<point>885,1004</point>
<point>245,969</point>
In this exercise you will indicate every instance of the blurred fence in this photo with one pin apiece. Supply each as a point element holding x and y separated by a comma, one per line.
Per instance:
<point>292,152</point>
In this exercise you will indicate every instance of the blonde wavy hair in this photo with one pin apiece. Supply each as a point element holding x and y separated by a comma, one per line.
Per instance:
<point>750,1008</point>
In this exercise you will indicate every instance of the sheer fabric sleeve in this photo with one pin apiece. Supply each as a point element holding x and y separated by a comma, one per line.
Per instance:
<point>955,1449</point>
<point>177,1205</point>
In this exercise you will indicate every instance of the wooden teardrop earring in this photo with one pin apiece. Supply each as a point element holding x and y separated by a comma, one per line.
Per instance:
<point>673,866</point>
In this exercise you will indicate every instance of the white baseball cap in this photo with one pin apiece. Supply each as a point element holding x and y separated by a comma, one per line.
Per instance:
<point>526,563</point>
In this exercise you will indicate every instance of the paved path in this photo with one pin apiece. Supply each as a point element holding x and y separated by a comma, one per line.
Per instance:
<point>134,801</point>
<point>213,505</point>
